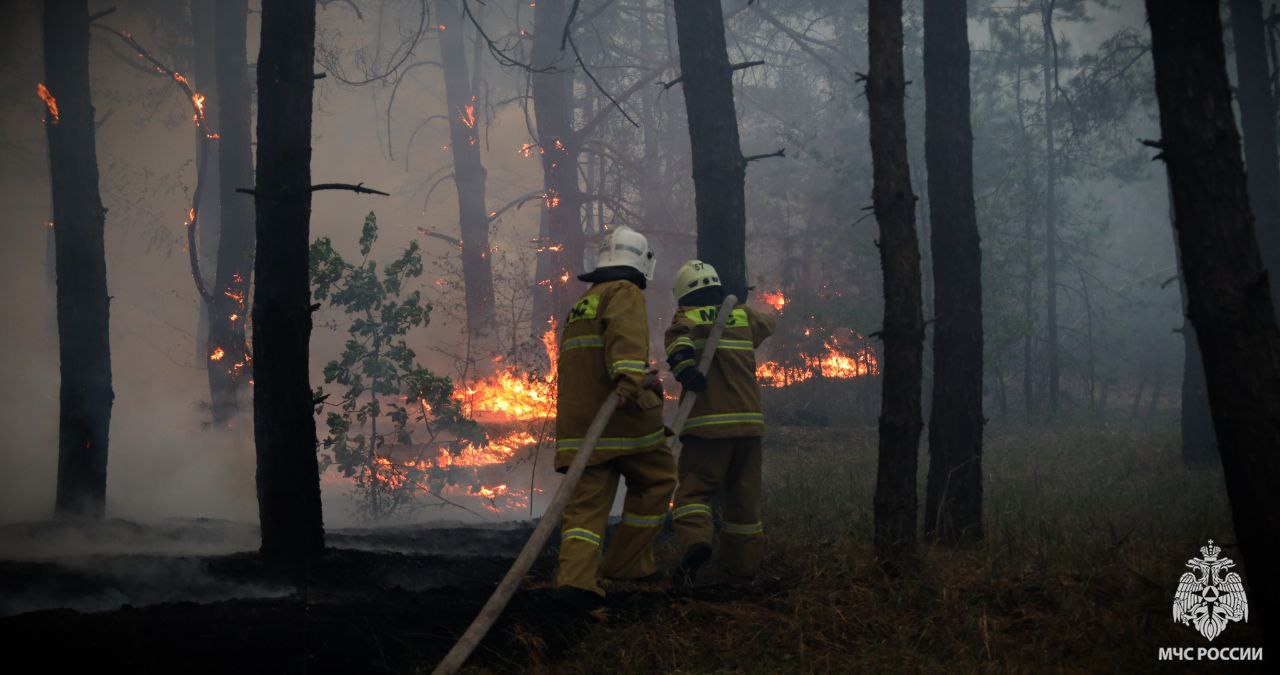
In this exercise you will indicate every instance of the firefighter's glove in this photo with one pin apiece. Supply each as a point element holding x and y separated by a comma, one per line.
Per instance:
<point>628,391</point>
<point>638,396</point>
<point>692,380</point>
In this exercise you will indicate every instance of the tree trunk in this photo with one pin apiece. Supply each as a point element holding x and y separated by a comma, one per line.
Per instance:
<point>84,346</point>
<point>468,173</point>
<point>1258,122</point>
<point>227,350</point>
<point>1050,68</point>
<point>1028,235</point>
<point>1228,298</point>
<point>560,252</point>
<point>284,426</point>
<point>903,328</point>
<point>953,504</point>
<point>1199,445</point>
<point>719,170</point>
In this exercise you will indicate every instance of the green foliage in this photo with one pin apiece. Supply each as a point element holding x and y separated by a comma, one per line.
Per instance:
<point>384,389</point>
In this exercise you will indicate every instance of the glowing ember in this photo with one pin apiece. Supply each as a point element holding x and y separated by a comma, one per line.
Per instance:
<point>551,198</point>
<point>217,354</point>
<point>468,116</point>
<point>776,300</point>
<point>49,101</point>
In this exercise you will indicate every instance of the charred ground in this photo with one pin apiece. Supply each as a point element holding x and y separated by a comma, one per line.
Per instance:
<point>1073,575</point>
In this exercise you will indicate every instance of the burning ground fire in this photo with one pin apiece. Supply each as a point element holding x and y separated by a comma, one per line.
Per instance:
<point>840,359</point>
<point>517,410</point>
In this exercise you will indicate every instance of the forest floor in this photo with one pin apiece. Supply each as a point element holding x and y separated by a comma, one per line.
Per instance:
<point>1087,533</point>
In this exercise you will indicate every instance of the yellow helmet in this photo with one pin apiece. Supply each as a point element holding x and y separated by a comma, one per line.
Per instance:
<point>693,275</point>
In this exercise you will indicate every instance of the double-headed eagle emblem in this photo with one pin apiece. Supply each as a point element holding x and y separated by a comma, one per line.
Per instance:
<point>1207,598</point>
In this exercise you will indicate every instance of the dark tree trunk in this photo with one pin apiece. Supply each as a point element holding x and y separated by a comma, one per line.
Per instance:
<point>560,253</point>
<point>719,170</point>
<point>1199,445</point>
<point>284,426</point>
<point>203,80</point>
<point>84,346</point>
<point>903,328</point>
<point>1228,298</point>
<point>1258,122</point>
<point>953,503</point>
<point>1050,68</point>
<point>227,352</point>
<point>468,173</point>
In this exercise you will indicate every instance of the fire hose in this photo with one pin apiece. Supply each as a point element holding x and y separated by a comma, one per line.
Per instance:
<point>497,602</point>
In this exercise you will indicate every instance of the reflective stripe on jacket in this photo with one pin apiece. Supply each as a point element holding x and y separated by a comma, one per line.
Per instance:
<point>730,406</point>
<point>605,347</point>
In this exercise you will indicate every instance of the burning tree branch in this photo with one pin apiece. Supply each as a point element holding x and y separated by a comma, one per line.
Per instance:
<point>206,136</point>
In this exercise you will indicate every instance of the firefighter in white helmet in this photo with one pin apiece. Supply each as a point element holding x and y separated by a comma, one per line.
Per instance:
<point>605,348</point>
<point>721,439</point>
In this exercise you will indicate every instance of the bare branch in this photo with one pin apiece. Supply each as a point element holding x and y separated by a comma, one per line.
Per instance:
<point>587,71</point>
<point>778,153</point>
<point>358,188</point>
<point>441,237</point>
<point>98,15</point>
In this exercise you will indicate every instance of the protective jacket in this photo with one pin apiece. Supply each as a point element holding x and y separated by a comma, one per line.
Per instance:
<point>730,406</point>
<point>605,347</point>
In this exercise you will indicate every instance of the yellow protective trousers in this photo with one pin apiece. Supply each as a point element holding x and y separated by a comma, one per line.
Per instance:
<point>707,465</point>
<point>650,479</point>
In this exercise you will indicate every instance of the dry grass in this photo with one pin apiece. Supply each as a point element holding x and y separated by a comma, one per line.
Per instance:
<point>1087,532</point>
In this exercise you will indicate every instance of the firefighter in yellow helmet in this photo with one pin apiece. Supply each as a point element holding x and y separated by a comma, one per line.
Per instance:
<point>722,436</point>
<point>605,348</point>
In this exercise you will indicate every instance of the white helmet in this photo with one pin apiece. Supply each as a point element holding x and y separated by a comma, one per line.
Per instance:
<point>624,247</point>
<point>692,275</point>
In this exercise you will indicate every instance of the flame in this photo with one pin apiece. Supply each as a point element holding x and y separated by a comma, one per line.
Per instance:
<point>468,116</point>
<point>776,300</point>
<point>49,101</point>
<point>217,354</point>
<point>835,362</point>
<point>197,100</point>
<point>513,394</point>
